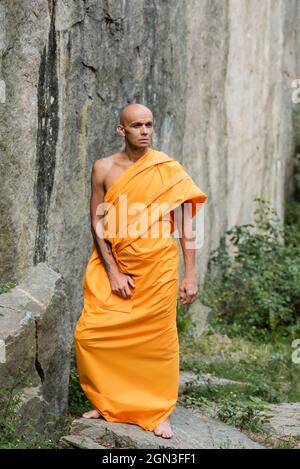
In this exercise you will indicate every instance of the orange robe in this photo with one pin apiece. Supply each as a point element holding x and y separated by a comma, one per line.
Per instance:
<point>127,350</point>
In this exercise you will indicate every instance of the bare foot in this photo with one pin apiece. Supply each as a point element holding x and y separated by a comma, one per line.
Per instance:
<point>164,429</point>
<point>91,414</point>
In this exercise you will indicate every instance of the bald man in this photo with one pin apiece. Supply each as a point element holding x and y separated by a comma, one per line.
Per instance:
<point>144,387</point>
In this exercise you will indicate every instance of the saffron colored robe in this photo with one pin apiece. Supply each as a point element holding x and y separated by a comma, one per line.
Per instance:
<point>127,350</point>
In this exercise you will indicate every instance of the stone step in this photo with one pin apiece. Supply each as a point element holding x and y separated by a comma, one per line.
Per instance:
<point>285,418</point>
<point>191,430</point>
<point>189,380</point>
<point>78,441</point>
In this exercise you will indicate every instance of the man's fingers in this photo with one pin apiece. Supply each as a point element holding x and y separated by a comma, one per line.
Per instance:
<point>186,297</point>
<point>183,296</point>
<point>131,281</point>
<point>192,298</point>
<point>189,297</point>
<point>127,291</point>
<point>121,293</point>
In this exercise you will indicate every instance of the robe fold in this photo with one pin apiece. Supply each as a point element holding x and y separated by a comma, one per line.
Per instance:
<point>127,350</point>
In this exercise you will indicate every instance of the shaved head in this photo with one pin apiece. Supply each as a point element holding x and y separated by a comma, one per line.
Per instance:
<point>132,112</point>
<point>136,127</point>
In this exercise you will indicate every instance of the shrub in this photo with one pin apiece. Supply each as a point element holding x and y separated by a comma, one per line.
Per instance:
<point>78,403</point>
<point>253,277</point>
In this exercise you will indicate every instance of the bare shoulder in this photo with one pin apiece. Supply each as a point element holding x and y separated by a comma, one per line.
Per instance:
<point>107,161</point>
<point>102,166</point>
<point>102,163</point>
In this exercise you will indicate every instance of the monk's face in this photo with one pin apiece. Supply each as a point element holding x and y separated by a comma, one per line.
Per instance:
<point>137,128</point>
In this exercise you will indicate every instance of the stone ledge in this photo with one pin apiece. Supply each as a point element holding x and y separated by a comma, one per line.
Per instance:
<point>191,430</point>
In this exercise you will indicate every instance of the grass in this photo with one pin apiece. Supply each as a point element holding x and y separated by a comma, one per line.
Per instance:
<point>78,403</point>
<point>17,433</point>
<point>265,368</point>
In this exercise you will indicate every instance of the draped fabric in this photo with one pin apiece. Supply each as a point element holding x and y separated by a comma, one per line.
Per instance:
<point>127,350</point>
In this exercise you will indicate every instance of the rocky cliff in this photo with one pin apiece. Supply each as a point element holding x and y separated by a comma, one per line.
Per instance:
<point>217,75</point>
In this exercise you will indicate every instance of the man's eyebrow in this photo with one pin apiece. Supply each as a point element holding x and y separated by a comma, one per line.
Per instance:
<point>137,122</point>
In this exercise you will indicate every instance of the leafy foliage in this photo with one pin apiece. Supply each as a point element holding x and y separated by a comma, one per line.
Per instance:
<point>253,277</point>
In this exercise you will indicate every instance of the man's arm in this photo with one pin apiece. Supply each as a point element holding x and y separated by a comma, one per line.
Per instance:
<point>97,197</point>
<point>188,288</point>
<point>119,282</point>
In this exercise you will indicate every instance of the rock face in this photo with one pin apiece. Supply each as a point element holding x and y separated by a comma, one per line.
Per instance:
<point>200,315</point>
<point>217,76</point>
<point>35,344</point>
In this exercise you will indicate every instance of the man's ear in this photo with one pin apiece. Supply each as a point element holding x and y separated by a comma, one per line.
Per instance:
<point>120,131</point>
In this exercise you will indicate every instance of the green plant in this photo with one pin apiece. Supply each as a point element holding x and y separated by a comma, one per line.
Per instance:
<point>265,366</point>
<point>233,404</point>
<point>15,431</point>
<point>78,403</point>
<point>184,320</point>
<point>6,286</point>
<point>9,416</point>
<point>244,415</point>
<point>253,278</point>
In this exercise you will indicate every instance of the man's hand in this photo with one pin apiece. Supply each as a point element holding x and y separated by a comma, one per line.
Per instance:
<point>188,289</point>
<point>120,284</point>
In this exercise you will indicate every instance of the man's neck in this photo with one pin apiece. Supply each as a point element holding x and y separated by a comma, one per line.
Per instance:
<point>134,154</point>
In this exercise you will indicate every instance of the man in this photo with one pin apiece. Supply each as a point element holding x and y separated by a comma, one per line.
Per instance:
<point>126,340</point>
